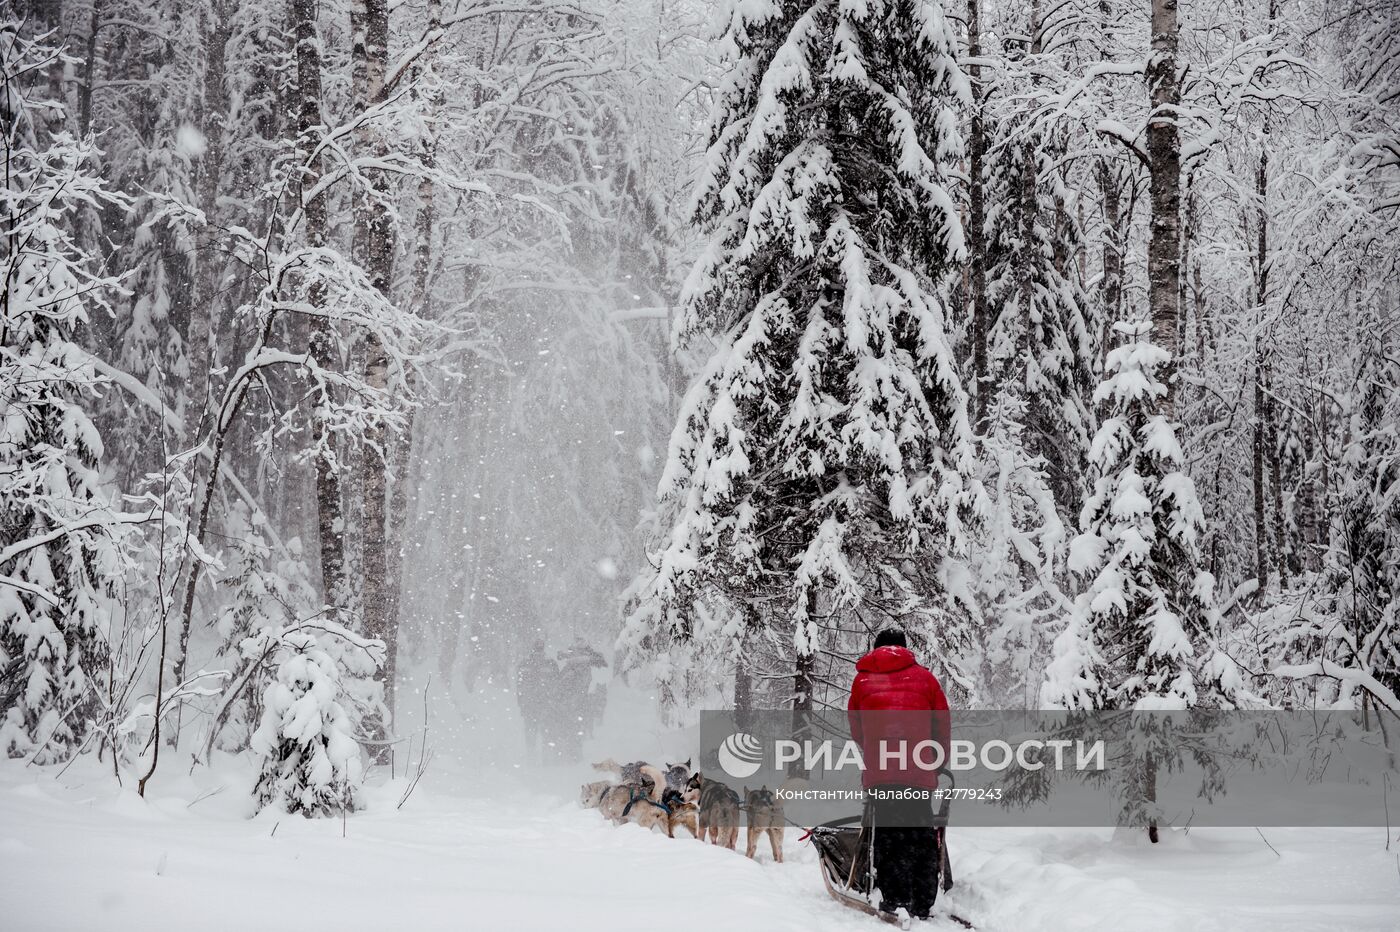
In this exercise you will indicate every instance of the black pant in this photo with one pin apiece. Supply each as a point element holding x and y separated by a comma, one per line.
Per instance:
<point>904,853</point>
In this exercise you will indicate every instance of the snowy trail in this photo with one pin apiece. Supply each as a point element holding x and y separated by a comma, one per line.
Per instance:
<point>520,862</point>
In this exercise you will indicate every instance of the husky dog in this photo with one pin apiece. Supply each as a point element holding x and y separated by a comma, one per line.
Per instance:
<point>632,802</point>
<point>680,812</point>
<point>590,795</point>
<point>648,814</point>
<point>718,818</point>
<point>677,774</point>
<point>636,772</point>
<point>616,801</point>
<point>765,817</point>
<point>672,778</point>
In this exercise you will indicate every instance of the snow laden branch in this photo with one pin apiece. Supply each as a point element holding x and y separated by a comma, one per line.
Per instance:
<point>1349,677</point>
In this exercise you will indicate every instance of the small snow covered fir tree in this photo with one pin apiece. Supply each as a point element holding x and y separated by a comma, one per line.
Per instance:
<point>269,591</point>
<point>56,557</point>
<point>1142,636</point>
<point>1143,633</point>
<point>826,442</point>
<point>311,759</point>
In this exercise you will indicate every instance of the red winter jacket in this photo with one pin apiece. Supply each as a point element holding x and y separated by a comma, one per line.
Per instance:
<point>889,687</point>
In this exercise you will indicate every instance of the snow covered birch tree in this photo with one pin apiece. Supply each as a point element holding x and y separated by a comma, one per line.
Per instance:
<point>375,243</point>
<point>826,444</point>
<point>1164,167</point>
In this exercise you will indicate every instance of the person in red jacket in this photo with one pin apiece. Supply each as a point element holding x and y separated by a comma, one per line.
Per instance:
<point>899,717</point>
<point>889,683</point>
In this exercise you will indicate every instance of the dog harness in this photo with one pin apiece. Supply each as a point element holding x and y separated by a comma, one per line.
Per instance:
<point>643,797</point>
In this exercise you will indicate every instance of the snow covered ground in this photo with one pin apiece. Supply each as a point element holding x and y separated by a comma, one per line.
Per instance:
<point>79,853</point>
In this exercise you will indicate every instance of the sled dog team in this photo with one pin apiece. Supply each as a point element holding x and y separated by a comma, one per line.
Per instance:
<point>674,797</point>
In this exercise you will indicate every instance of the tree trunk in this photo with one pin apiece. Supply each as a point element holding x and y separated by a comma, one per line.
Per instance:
<point>1261,546</point>
<point>1265,451</point>
<point>743,674</point>
<point>1112,284</point>
<point>330,519</point>
<point>1272,450</point>
<point>1029,210</point>
<point>400,448</point>
<point>976,221</point>
<point>375,237</point>
<point>359,59</point>
<point>1164,154</point>
<point>1081,253</point>
<point>802,689</point>
<point>1190,217</point>
<point>1149,793</point>
<point>1164,247</point>
<point>1275,455</point>
<point>1204,337</point>
<point>803,680</point>
<point>89,70</point>
<point>199,333</point>
<point>374,567</point>
<point>1306,513</point>
<point>743,690</point>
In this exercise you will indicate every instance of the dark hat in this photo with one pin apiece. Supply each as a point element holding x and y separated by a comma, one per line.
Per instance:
<point>891,637</point>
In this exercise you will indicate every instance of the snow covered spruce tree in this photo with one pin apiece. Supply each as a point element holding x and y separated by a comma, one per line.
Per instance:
<point>1041,342</point>
<point>1143,634</point>
<point>312,762</point>
<point>57,558</point>
<point>823,457</point>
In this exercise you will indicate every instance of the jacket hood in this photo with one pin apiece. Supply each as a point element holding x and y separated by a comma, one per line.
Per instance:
<point>886,660</point>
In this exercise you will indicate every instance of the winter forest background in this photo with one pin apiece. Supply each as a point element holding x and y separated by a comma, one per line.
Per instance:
<point>351,348</point>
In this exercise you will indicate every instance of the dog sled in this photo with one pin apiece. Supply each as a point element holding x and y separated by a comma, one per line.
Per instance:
<point>843,853</point>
